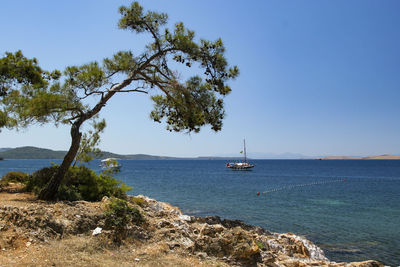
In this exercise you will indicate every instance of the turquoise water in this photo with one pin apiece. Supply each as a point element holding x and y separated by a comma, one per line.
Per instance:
<point>350,208</point>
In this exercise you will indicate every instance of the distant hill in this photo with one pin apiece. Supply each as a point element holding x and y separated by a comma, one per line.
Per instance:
<point>30,152</point>
<point>385,156</point>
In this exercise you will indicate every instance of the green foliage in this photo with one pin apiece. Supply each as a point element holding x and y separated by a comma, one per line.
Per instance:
<point>133,19</point>
<point>184,105</point>
<point>19,73</point>
<point>21,79</point>
<point>14,177</point>
<point>260,245</point>
<point>119,214</point>
<point>80,183</point>
<point>3,119</point>
<point>189,107</point>
<point>122,61</point>
<point>88,148</point>
<point>137,201</point>
<point>16,69</point>
<point>42,97</point>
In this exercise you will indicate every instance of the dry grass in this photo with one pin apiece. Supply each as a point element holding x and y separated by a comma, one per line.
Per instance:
<point>95,251</point>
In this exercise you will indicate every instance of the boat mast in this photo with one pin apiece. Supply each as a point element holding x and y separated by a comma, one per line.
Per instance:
<point>244,145</point>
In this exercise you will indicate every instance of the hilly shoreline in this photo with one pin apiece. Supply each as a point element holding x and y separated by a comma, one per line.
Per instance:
<point>385,156</point>
<point>30,152</point>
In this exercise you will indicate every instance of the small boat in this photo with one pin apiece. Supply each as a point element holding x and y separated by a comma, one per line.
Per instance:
<point>110,164</point>
<point>241,166</point>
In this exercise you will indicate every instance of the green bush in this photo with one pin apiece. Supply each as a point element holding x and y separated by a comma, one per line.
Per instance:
<point>260,245</point>
<point>40,178</point>
<point>138,201</point>
<point>119,214</point>
<point>14,177</point>
<point>80,183</point>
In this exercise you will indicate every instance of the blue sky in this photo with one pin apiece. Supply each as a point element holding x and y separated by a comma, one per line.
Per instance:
<point>317,77</point>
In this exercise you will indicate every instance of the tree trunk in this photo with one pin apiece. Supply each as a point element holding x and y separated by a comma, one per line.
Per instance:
<point>50,190</point>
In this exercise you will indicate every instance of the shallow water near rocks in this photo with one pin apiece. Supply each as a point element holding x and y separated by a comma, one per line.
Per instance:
<point>350,208</point>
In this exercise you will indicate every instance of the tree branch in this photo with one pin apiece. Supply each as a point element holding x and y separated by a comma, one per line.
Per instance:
<point>156,39</point>
<point>133,90</point>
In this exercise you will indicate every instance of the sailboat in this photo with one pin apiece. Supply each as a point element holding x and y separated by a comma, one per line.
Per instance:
<point>241,166</point>
<point>110,164</point>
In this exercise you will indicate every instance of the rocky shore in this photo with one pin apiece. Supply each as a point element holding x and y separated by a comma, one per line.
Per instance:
<point>37,233</point>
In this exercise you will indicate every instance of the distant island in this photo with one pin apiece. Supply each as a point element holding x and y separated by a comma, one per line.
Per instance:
<point>385,156</point>
<point>30,152</point>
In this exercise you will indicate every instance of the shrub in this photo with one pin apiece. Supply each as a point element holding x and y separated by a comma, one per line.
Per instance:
<point>260,245</point>
<point>79,183</point>
<point>137,201</point>
<point>119,214</point>
<point>40,178</point>
<point>14,177</point>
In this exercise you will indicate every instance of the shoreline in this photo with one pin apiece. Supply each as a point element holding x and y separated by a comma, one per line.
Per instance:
<point>168,234</point>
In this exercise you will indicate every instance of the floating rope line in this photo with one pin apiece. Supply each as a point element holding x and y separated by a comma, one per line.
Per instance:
<point>301,185</point>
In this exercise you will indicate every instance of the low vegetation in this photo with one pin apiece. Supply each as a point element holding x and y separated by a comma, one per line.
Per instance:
<point>138,201</point>
<point>80,183</point>
<point>119,215</point>
<point>14,177</point>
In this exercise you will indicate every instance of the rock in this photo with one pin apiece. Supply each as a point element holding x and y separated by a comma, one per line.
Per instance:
<point>218,241</point>
<point>97,231</point>
<point>209,220</point>
<point>186,218</point>
<point>201,255</point>
<point>230,241</point>
<point>211,230</point>
<point>138,232</point>
<point>369,263</point>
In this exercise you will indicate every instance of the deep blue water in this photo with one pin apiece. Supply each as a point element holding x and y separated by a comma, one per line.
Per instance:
<point>350,208</point>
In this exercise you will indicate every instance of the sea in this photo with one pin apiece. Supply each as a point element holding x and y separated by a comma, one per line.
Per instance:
<point>349,208</point>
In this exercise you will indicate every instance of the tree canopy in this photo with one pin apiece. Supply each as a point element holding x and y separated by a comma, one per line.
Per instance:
<point>184,105</point>
<point>19,75</point>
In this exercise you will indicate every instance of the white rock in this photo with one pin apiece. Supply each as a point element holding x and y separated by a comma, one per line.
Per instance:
<point>185,217</point>
<point>97,231</point>
<point>187,242</point>
<point>315,252</point>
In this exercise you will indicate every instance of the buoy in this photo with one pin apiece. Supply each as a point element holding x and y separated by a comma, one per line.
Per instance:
<point>258,193</point>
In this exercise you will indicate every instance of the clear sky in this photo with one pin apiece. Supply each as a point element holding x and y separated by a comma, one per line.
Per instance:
<point>317,77</point>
